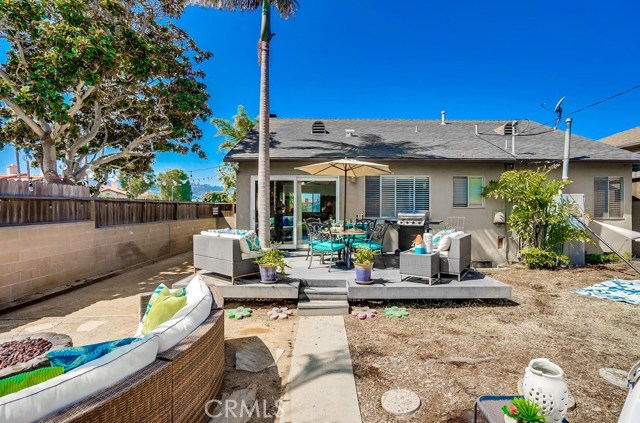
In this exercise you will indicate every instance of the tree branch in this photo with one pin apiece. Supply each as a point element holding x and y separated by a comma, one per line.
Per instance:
<point>128,150</point>
<point>80,98</point>
<point>95,128</point>
<point>24,116</point>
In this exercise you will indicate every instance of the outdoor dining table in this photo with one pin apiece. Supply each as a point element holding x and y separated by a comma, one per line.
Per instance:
<point>347,236</point>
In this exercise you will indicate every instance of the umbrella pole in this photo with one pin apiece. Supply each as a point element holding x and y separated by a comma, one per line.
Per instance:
<point>344,204</point>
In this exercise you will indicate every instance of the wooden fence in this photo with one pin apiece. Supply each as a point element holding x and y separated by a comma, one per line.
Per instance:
<point>40,189</point>
<point>104,212</point>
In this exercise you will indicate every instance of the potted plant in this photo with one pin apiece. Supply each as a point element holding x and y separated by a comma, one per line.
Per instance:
<point>363,262</point>
<point>522,410</point>
<point>271,262</point>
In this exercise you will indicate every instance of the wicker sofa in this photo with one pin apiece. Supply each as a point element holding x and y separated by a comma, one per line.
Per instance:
<point>174,388</point>
<point>222,256</point>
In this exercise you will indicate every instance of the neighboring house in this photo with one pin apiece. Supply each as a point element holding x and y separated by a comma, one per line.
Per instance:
<point>630,140</point>
<point>113,191</point>
<point>12,175</point>
<point>437,167</point>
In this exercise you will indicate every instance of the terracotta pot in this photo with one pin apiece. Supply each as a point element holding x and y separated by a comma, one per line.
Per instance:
<point>544,383</point>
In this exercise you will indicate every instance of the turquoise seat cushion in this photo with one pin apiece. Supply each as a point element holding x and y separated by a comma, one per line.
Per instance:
<point>373,245</point>
<point>327,246</point>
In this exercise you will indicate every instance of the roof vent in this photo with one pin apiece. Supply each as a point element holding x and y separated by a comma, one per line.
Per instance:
<point>318,128</point>
<point>443,120</point>
<point>349,132</point>
<point>508,128</point>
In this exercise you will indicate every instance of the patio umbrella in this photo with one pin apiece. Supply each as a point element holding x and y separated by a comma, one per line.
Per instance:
<point>346,167</point>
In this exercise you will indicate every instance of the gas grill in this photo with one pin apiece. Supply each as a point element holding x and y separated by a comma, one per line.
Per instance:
<point>409,226</point>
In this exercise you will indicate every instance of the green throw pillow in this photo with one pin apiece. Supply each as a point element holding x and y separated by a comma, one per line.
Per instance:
<point>163,308</point>
<point>24,380</point>
<point>180,292</point>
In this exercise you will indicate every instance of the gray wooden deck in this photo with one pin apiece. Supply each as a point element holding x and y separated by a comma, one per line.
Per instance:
<point>387,284</point>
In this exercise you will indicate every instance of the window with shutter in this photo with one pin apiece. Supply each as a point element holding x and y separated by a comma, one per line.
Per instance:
<point>608,197</point>
<point>467,191</point>
<point>386,196</point>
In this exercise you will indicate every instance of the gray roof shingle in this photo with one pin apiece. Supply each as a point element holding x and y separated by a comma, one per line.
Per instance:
<point>397,139</point>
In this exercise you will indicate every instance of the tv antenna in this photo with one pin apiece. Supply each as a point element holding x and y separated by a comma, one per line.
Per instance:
<point>558,110</point>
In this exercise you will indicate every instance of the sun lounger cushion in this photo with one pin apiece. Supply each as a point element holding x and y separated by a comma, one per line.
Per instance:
<point>46,398</point>
<point>188,318</point>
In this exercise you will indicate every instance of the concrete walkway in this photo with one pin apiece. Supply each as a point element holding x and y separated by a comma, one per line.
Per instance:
<point>321,385</point>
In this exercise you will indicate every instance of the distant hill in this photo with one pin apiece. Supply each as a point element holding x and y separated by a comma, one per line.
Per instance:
<point>200,189</point>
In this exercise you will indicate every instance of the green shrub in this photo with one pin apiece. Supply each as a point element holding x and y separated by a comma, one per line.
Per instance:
<point>537,258</point>
<point>605,258</point>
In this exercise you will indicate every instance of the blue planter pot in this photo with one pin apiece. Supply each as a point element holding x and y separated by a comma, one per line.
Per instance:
<point>363,273</point>
<point>267,274</point>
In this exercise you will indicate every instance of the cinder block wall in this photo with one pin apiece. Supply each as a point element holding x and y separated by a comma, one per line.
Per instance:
<point>38,258</point>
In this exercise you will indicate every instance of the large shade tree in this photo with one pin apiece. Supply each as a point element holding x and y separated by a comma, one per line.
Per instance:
<point>233,131</point>
<point>175,185</point>
<point>99,84</point>
<point>286,8</point>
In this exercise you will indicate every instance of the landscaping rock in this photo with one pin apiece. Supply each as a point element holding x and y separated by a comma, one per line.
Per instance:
<point>400,402</point>
<point>242,396</point>
<point>256,359</point>
<point>615,376</point>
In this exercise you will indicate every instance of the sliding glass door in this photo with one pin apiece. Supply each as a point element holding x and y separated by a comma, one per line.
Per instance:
<point>293,199</point>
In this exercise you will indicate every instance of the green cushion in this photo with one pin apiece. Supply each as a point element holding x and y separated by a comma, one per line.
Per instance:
<point>163,308</point>
<point>327,246</point>
<point>24,380</point>
<point>180,292</point>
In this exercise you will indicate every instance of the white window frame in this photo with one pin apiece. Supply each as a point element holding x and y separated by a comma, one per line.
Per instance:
<point>605,216</point>
<point>467,206</point>
<point>396,177</point>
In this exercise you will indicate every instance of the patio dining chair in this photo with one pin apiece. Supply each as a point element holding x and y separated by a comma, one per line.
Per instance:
<point>308,224</point>
<point>323,243</point>
<point>375,240</point>
<point>367,225</point>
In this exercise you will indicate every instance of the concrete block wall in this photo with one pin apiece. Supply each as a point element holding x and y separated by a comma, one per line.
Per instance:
<point>38,258</point>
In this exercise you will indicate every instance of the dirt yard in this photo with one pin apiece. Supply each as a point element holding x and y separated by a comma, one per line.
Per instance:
<point>545,319</point>
<point>259,333</point>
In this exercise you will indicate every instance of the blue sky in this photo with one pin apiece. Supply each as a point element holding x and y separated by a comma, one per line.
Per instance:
<point>476,60</point>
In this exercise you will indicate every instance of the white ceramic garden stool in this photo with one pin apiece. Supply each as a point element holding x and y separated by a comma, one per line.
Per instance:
<point>544,383</point>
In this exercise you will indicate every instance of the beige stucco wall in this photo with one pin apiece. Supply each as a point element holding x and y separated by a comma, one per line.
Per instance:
<point>37,258</point>
<point>478,221</point>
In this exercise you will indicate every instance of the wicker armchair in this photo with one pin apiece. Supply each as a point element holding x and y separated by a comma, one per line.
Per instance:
<point>174,388</point>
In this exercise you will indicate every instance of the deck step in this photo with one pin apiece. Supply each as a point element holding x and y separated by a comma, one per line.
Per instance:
<point>323,293</point>
<point>323,308</point>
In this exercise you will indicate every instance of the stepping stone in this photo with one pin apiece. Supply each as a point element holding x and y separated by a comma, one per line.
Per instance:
<point>90,325</point>
<point>256,360</point>
<point>41,327</point>
<point>400,402</point>
<point>222,414</point>
<point>615,376</point>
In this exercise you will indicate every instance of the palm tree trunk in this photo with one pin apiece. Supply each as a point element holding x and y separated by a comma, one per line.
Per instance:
<point>263,138</point>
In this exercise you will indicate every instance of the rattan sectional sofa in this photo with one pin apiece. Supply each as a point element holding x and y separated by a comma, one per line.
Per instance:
<point>174,388</point>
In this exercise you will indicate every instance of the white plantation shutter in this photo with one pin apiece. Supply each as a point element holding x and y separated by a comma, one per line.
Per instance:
<point>616,193</point>
<point>386,196</point>
<point>460,191</point>
<point>405,194</point>
<point>421,193</point>
<point>600,197</point>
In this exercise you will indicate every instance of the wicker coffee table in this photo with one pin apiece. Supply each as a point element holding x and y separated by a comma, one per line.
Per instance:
<point>423,266</point>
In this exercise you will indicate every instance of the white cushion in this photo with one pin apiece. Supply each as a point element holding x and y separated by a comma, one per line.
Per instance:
<point>209,233</point>
<point>445,243</point>
<point>456,234</point>
<point>55,394</point>
<point>244,245</point>
<point>251,255</point>
<point>187,319</point>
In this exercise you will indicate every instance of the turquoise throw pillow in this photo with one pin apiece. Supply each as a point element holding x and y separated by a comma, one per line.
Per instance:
<point>72,357</point>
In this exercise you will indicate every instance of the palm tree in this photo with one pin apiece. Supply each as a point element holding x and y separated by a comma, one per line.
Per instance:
<point>286,8</point>
<point>233,131</point>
